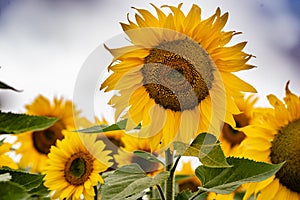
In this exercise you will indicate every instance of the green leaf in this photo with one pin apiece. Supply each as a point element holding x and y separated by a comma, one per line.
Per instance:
<point>202,196</point>
<point>30,185</point>
<point>10,190</point>
<point>226,180</point>
<point>40,191</point>
<point>147,156</point>
<point>11,123</point>
<point>129,180</point>
<point>239,195</point>
<point>5,86</point>
<point>25,179</point>
<point>179,177</point>
<point>187,194</point>
<point>104,128</point>
<point>184,195</point>
<point>121,125</point>
<point>207,148</point>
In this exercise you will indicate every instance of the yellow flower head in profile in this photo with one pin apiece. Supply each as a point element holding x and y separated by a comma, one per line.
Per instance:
<point>275,138</point>
<point>36,145</point>
<point>125,155</point>
<point>231,137</point>
<point>176,79</point>
<point>6,160</point>
<point>74,165</point>
<point>113,142</point>
<point>191,183</point>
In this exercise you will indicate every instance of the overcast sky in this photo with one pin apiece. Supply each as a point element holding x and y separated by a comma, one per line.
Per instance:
<point>46,45</point>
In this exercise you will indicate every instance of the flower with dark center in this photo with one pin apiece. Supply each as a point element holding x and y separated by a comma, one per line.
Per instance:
<point>231,137</point>
<point>275,138</point>
<point>126,156</point>
<point>74,166</point>
<point>36,145</point>
<point>176,79</point>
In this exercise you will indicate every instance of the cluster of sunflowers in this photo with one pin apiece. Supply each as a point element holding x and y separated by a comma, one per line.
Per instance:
<point>176,94</point>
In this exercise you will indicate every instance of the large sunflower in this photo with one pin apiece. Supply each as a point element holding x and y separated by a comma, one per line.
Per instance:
<point>176,79</point>
<point>126,156</point>
<point>74,165</point>
<point>36,145</point>
<point>275,138</point>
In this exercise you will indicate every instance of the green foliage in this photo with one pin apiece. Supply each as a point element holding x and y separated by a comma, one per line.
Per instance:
<point>188,195</point>
<point>121,125</point>
<point>207,148</point>
<point>22,185</point>
<point>226,180</point>
<point>7,87</point>
<point>147,156</point>
<point>129,180</point>
<point>185,195</point>
<point>10,190</point>
<point>11,123</point>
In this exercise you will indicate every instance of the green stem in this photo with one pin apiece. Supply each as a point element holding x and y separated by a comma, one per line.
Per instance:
<point>96,193</point>
<point>175,165</point>
<point>161,192</point>
<point>151,192</point>
<point>169,182</point>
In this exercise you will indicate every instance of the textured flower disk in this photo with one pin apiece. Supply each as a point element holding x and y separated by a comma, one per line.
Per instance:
<point>176,79</point>
<point>36,145</point>
<point>274,137</point>
<point>74,166</point>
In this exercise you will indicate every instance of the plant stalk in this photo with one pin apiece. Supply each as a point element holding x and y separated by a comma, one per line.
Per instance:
<point>96,192</point>
<point>170,181</point>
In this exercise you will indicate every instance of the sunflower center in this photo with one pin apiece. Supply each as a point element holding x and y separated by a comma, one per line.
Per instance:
<point>178,74</point>
<point>78,168</point>
<point>235,137</point>
<point>43,140</point>
<point>285,147</point>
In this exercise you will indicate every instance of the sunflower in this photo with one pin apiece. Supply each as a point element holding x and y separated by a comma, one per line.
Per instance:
<point>275,138</point>
<point>36,145</point>
<point>176,79</point>
<point>113,142</point>
<point>126,156</point>
<point>231,137</point>
<point>74,165</point>
<point>190,183</point>
<point>6,160</point>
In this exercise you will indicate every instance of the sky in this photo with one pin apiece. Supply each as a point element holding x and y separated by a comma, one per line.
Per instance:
<point>55,47</point>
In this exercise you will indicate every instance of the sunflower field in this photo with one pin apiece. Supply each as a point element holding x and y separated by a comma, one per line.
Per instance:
<point>186,126</point>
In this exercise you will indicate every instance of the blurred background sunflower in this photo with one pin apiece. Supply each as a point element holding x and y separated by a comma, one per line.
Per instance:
<point>34,146</point>
<point>6,160</point>
<point>274,138</point>
<point>126,154</point>
<point>231,137</point>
